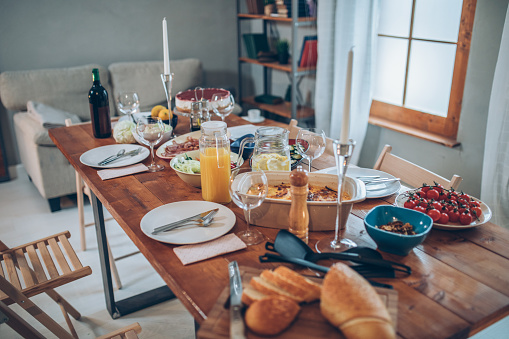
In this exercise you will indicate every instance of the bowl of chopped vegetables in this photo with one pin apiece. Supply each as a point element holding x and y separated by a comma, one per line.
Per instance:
<point>187,166</point>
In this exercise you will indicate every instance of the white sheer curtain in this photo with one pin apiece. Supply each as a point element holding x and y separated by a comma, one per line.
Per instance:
<point>342,24</point>
<point>495,176</point>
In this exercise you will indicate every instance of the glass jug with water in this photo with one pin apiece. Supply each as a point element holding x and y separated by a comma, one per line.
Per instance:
<point>215,162</point>
<point>271,150</point>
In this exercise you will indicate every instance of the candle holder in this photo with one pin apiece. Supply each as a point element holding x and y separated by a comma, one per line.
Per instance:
<point>167,80</point>
<point>338,243</point>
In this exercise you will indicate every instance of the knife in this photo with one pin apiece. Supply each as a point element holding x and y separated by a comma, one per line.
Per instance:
<point>197,216</point>
<point>236,322</point>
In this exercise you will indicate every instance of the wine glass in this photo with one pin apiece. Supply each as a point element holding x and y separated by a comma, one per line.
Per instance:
<point>248,190</point>
<point>151,131</point>
<point>222,104</point>
<point>310,143</point>
<point>128,103</point>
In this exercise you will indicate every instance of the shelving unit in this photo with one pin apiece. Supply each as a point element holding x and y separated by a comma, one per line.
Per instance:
<point>287,110</point>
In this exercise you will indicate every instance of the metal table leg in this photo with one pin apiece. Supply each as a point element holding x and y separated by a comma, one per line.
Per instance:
<point>132,304</point>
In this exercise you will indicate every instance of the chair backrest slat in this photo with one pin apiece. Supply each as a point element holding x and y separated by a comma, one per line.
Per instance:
<point>10,266</point>
<point>48,260</point>
<point>59,255</point>
<point>75,261</point>
<point>26,271</point>
<point>36,264</point>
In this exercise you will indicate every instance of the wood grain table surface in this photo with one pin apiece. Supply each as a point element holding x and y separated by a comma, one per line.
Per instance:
<point>458,286</point>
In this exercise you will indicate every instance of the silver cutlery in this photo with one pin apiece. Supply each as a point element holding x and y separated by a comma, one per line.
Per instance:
<point>237,329</point>
<point>119,154</point>
<point>380,181</point>
<point>199,216</point>
<point>206,222</point>
<point>130,153</point>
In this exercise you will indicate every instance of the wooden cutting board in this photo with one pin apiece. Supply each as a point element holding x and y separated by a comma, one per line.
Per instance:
<point>309,323</point>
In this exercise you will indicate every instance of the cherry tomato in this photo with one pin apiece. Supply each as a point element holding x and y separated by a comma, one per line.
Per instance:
<point>465,218</point>
<point>420,209</point>
<point>438,188</point>
<point>444,218</point>
<point>425,188</point>
<point>410,203</point>
<point>476,212</point>
<point>432,194</point>
<point>442,196</point>
<point>462,201</point>
<point>436,205</point>
<point>452,197</point>
<point>423,202</point>
<point>434,214</point>
<point>474,203</point>
<point>454,215</point>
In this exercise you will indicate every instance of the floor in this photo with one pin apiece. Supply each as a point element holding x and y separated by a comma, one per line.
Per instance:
<point>25,216</point>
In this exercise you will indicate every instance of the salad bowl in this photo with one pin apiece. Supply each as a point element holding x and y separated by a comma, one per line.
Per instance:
<point>187,166</point>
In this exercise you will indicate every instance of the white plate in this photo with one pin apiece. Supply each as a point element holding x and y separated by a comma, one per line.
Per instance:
<point>96,155</point>
<point>222,224</point>
<point>239,131</point>
<point>180,139</point>
<point>257,121</point>
<point>372,191</point>
<point>485,217</point>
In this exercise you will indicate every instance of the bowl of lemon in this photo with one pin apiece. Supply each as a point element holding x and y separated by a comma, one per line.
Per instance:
<point>166,115</point>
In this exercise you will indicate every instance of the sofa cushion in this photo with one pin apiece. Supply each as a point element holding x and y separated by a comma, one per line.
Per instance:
<point>62,88</point>
<point>48,116</point>
<point>31,130</point>
<point>145,79</point>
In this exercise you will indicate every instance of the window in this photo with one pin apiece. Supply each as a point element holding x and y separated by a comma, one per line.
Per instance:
<point>422,56</point>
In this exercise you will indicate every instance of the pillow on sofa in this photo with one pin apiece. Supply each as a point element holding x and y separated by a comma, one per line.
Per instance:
<point>145,78</point>
<point>48,116</point>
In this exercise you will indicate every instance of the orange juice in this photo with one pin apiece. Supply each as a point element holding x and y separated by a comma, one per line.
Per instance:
<point>215,174</point>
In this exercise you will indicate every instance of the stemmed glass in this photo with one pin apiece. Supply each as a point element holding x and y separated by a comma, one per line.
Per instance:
<point>222,104</point>
<point>128,103</point>
<point>310,143</point>
<point>248,190</point>
<point>338,243</point>
<point>151,131</point>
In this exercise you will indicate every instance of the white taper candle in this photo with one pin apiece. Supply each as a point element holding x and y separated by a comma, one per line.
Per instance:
<point>345,125</point>
<point>166,57</point>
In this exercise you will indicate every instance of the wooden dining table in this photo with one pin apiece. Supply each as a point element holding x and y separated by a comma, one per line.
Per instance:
<point>459,283</point>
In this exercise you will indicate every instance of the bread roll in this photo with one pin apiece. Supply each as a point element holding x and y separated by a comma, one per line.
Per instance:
<point>271,315</point>
<point>350,303</point>
<point>250,295</point>
<point>313,289</point>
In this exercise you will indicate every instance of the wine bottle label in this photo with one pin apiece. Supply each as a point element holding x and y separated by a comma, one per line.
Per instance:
<point>101,122</point>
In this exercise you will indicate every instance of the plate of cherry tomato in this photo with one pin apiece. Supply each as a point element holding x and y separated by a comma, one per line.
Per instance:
<point>449,209</point>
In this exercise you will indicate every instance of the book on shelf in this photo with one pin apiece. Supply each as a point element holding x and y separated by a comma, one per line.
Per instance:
<point>255,43</point>
<point>309,51</point>
<point>255,6</point>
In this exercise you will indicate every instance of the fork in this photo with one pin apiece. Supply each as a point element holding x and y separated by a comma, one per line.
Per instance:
<point>130,153</point>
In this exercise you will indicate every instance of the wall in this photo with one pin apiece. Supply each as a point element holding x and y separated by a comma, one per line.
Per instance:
<point>465,160</point>
<point>58,33</point>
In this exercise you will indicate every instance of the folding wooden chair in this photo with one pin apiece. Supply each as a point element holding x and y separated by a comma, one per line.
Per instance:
<point>128,332</point>
<point>410,173</point>
<point>23,274</point>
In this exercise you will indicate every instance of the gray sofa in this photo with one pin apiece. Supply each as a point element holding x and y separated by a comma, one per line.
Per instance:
<point>66,89</point>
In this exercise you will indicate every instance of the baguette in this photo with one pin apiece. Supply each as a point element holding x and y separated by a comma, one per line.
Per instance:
<point>350,303</point>
<point>287,285</point>
<point>271,315</point>
<point>250,295</point>
<point>313,289</point>
<point>267,288</point>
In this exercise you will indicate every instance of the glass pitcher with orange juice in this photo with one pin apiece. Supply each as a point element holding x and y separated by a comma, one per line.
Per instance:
<point>215,162</point>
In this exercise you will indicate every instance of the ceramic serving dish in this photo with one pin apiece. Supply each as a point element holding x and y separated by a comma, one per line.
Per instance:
<point>274,213</point>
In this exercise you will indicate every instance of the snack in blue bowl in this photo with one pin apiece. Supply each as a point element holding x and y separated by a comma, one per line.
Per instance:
<point>395,220</point>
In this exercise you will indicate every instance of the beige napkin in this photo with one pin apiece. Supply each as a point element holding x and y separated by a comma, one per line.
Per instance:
<point>192,253</point>
<point>121,171</point>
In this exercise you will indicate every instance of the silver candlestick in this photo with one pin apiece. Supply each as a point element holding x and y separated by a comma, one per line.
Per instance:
<point>167,80</point>
<point>338,243</point>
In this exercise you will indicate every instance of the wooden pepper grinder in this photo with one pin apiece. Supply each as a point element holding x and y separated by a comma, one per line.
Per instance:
<point>299,215</point>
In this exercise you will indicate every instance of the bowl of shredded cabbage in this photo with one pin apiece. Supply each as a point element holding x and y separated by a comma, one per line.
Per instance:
<point>187,166</point>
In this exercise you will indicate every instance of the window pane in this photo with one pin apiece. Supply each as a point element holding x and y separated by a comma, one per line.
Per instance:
<point>430,77</point>
<point>395,17</point>
<point>390,70</point>
<point>437,19</point>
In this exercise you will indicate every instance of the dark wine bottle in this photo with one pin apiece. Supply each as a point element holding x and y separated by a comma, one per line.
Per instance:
<point>99,108</point>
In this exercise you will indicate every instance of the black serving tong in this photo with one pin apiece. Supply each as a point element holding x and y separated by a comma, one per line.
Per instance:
<point>369,273</point>
<point>289,245</point>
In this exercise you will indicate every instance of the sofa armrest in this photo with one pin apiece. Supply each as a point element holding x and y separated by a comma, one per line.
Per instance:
<point>32,130</point>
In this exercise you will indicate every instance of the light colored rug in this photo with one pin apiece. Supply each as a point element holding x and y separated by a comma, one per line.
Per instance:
<point>25,216</point>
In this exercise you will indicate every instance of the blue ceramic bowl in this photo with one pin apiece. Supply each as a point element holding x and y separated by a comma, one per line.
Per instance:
<point>248,147</point>
<point>394,243</point>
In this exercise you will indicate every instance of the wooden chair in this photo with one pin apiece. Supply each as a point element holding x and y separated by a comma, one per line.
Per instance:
<point>411,173</point>
<point>23,274</point>
<point>82,188</point>
<point>127,332</point>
